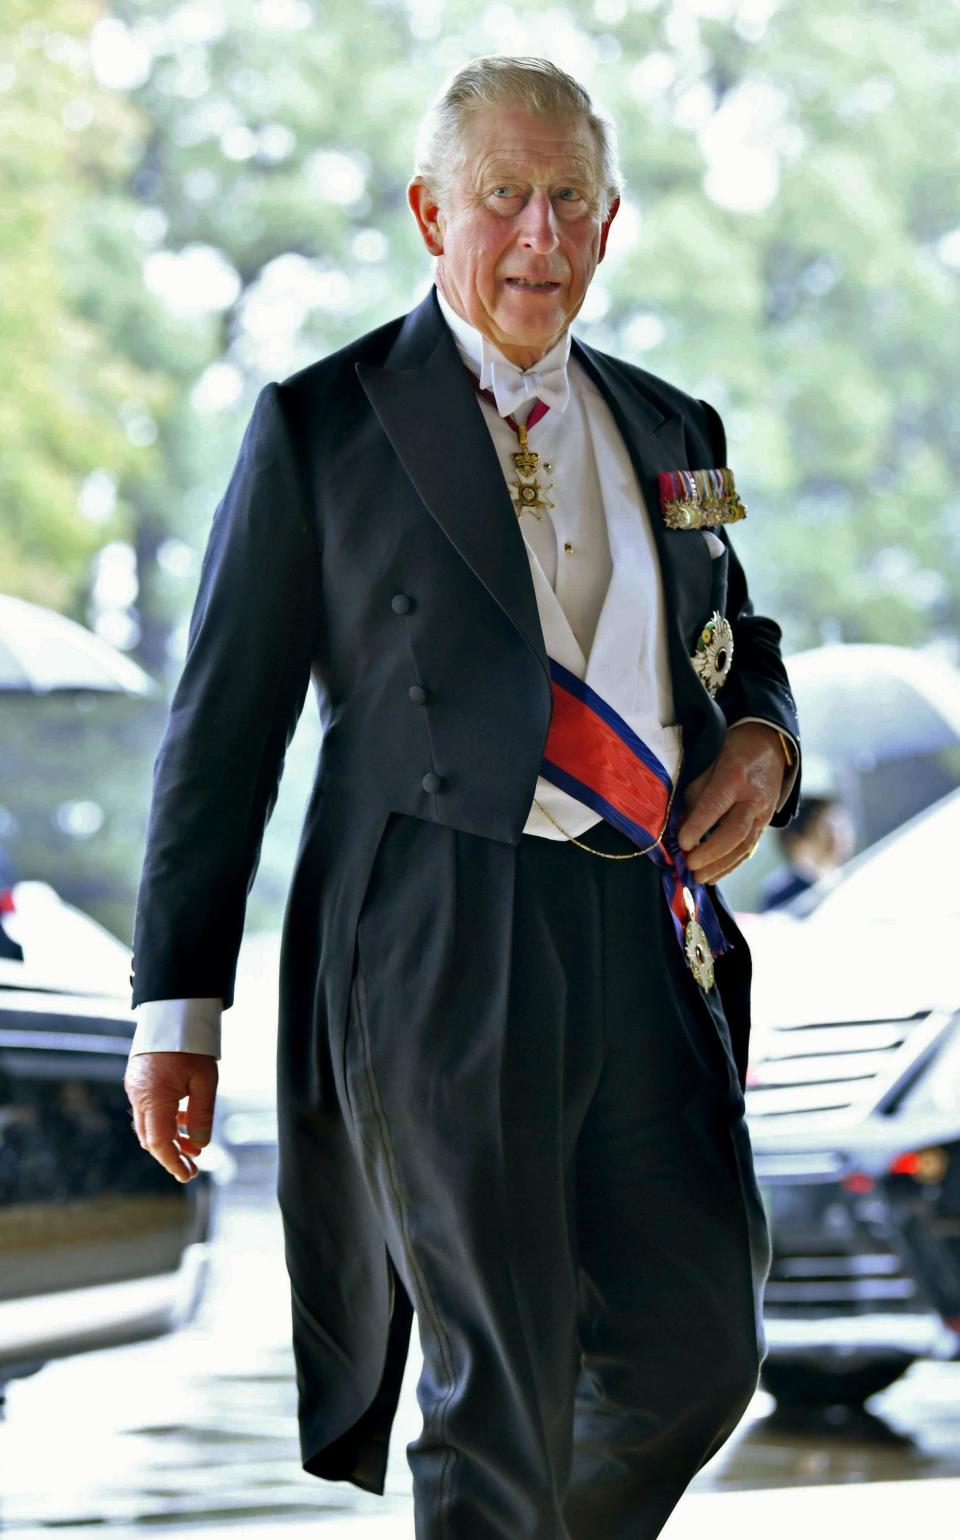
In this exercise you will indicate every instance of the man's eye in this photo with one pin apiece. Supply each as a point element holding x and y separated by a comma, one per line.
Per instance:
<point>503,189</point>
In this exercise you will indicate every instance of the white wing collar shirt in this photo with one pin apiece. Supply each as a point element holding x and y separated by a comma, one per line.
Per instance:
<point>597,583</point>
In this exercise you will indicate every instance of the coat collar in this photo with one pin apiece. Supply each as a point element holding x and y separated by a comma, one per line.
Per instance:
<point>427,406</point>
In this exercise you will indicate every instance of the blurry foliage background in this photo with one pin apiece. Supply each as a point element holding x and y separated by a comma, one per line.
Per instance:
<point>202,196</point>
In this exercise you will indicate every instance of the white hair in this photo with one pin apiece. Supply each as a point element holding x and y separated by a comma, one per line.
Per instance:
<point>497,81</point>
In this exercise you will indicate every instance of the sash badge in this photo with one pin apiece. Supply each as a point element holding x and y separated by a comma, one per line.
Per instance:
<point>713,658</point>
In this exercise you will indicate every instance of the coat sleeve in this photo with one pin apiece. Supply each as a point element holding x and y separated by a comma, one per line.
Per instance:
<point>757,685</point>
<point>233,713</point>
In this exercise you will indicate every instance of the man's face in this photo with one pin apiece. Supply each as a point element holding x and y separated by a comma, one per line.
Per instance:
<point>522,235</point>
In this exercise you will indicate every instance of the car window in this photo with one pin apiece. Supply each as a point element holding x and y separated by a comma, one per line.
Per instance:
<point>63,948</point>
<point>904,875</point>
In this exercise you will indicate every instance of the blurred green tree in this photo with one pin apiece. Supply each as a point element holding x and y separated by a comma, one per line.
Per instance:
<point>217,197</point>
<point>65,408</point>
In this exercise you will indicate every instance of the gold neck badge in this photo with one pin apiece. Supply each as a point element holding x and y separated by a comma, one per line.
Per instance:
<point>527,491</point>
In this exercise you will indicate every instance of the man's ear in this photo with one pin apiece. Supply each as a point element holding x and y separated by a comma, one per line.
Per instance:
<point>427,215</point>
<point>605,227</point>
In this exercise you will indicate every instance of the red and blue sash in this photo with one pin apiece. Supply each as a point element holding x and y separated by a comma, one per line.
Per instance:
<point>593,754</point>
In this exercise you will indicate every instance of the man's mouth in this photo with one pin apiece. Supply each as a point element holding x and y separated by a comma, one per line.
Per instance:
<point>544,285</point>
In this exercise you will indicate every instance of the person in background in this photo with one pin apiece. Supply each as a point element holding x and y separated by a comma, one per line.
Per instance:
<point>818,841</point>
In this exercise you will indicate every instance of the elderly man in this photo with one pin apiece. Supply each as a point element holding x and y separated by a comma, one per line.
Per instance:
<point>513,1009</point>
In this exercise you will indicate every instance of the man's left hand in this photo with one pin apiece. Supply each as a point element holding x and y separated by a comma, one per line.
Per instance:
<point>735,799</point>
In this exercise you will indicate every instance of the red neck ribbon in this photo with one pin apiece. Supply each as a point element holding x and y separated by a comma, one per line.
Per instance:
<point>538,410</point>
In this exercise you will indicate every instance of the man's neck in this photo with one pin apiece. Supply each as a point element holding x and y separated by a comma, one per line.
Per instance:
<point>524,357</point>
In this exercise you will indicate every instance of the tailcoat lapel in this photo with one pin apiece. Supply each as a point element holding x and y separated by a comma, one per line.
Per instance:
<point>655,441</point>
<point>428,409</point>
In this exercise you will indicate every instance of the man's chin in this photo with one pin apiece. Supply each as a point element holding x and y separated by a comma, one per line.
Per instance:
<point>529,324</point>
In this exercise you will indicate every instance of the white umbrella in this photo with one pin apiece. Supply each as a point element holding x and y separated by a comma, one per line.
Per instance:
<point>42,651</point>
<point>861,702</point>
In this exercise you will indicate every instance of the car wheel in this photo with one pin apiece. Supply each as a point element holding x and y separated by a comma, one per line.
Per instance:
<point>801,1382</point>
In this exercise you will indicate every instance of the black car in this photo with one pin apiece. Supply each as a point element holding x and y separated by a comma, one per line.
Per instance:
<point>853,1104</point>
<point>98,1244</point>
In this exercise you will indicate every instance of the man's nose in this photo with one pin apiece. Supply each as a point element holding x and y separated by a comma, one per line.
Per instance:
<point>538,225</point>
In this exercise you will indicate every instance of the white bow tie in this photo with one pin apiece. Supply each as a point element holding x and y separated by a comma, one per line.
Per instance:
<point>512,386</point>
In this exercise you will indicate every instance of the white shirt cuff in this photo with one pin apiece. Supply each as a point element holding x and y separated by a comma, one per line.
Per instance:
<point>790,771</point>
<point>178,1026</point>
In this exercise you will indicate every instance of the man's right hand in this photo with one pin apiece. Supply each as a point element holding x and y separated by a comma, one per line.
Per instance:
<point>155,1084</point>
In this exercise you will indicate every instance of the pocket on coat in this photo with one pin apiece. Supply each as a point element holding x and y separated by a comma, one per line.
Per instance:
<point>352,1045</point>
<point>355,1066</point>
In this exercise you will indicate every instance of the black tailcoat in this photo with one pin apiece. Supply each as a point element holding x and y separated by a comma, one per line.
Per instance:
<point>367,539</point>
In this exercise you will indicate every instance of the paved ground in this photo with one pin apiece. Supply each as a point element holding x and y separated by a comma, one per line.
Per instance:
<point>881,1511</point>
<point>196,1433</point>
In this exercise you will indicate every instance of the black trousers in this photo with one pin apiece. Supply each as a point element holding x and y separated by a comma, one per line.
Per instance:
<point>549,1119</point>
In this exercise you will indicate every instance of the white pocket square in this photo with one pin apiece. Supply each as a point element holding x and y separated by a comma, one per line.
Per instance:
<point>715,545</point>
